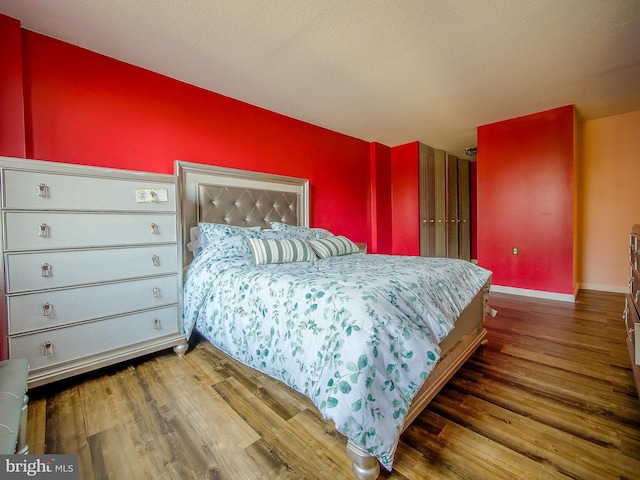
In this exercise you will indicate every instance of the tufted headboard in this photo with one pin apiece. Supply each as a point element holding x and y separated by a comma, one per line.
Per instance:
<point>238,197</point>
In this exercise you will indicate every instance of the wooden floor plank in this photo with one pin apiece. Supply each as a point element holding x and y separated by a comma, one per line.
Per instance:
<point>592,427</point>
<point>289,442</point>
<point>545,444</point>
<point>471,455</point>
<point>551,396</point>
<point>65,430</point>
<point>37,424</point>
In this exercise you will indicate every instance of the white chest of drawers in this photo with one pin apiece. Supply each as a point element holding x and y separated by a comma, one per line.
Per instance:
<point>91,260</point>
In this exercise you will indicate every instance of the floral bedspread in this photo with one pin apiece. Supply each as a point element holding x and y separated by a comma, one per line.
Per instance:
<point>357,334</point>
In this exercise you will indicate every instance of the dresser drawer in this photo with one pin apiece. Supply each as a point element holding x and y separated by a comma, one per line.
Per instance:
<point>635,341</point>
<point>57,269</point>
<point>634,288</point>
<point>634,251</point>
<point>630,314</point>
<point>632,327</point>
<point>32,190</point>
<point>55,308</point>
<point>51,230</point>
<point>44,349</point>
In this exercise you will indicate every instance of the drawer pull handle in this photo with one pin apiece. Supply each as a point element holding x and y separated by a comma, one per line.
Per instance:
<point>47,309</point>
<point>43,190</point>
<point>47,349</point>
<point>636,297</point>
<point>44,230</point>
<point>156,260</point>
<point>154,229</point>
<point>156,324</point>
<point>156,292</point>
<point>46,270</point>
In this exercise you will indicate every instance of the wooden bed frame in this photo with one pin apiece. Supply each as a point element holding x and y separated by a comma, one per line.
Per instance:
<point>237,197</point>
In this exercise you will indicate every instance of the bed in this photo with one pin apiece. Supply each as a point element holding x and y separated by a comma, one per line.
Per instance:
<point>370,339</point>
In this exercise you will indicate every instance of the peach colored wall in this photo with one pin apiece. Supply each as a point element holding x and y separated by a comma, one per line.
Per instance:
<point>608,199</point>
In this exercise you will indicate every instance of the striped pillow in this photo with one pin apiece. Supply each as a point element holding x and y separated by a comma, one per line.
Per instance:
<point>333,246</point>
<point>287,250</point>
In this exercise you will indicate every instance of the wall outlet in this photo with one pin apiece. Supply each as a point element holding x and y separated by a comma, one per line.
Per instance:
<point>514,250</point>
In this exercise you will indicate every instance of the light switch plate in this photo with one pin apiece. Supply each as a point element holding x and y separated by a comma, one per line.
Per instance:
<point>151,195</point>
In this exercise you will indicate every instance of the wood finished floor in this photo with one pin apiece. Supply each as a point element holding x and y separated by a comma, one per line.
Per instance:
<point>551,396</point>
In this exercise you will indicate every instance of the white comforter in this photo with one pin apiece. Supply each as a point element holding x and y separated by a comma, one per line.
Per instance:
<point>357,334</point>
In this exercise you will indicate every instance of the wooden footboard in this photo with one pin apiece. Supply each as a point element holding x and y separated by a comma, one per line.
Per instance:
<point>456,349</point>
<point>366,467</point>
<point>443,372</point>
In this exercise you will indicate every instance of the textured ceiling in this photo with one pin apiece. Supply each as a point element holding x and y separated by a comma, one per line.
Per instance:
<point>385,71</point>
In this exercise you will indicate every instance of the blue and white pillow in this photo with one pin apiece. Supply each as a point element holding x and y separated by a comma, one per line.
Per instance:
<point>225,241</point>
<point>303,232</point>
<point>275,234</point>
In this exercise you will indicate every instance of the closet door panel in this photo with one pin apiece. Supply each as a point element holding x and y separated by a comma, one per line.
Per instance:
<point>440,189</point>
<point>464,209</point>
<point>444,204</point>
<point>427,202</point>
<point>452,206</point>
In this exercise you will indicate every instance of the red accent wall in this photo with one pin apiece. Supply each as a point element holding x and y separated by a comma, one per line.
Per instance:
<point>12,138</point>
<point>63,103</point>
<point>525,199</point>
<point>85,108</point>
<point>405,199</point>
<point>380,157</point>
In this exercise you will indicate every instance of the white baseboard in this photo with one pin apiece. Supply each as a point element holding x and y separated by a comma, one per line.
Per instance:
<point>605,288</point>
<point>563,297</point>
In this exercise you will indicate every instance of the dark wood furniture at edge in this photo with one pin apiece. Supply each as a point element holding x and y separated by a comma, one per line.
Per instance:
<point>632,307</point>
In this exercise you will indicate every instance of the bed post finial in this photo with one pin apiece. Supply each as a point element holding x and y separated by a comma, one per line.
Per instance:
<point>365,467</point>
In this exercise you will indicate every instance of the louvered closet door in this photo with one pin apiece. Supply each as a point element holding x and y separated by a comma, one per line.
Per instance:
<point>433,212</point>
<point>464,209</point>
<point>445,221</point>
<point>452,206</point>
<point>427,202</point>
<point>440,192</point>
